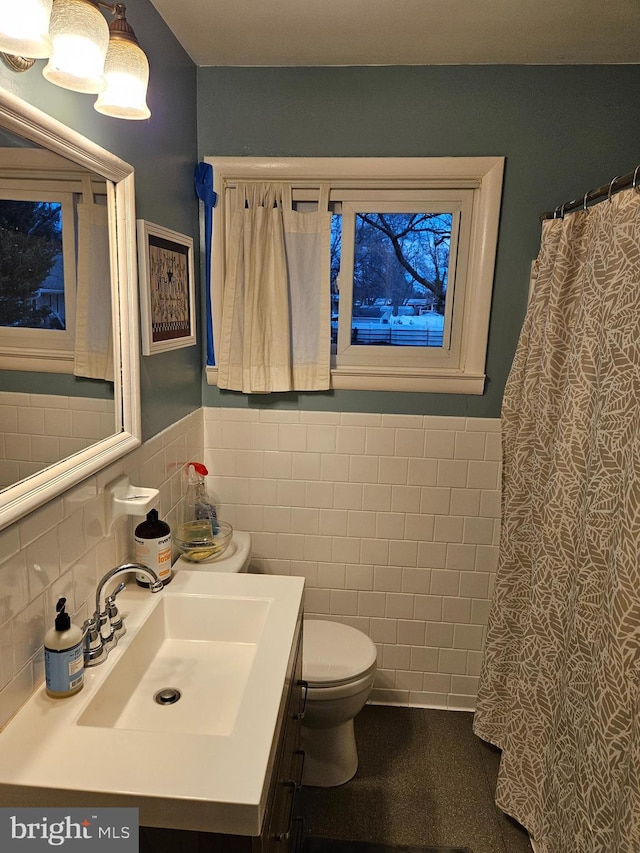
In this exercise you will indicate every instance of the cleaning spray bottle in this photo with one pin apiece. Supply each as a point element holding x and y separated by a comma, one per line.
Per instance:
<point>199,517</point>
<point>198,505</point>
<point>63,656</point>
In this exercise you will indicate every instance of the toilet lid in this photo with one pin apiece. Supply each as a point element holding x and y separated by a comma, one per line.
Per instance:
<point>333,653</point>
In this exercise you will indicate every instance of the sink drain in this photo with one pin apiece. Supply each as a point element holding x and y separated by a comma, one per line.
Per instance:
<point>167,696</point>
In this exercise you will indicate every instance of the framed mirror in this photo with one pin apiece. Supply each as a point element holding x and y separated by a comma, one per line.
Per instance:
<point>69,363</point>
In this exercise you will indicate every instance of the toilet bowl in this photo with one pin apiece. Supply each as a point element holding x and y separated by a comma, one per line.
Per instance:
<point>339,666</point>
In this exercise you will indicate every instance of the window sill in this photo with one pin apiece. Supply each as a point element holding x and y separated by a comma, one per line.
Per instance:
<point>396,379</point>
<point>36,361</point>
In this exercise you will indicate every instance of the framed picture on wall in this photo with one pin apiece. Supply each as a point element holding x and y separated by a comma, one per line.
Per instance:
<point>167,297</point>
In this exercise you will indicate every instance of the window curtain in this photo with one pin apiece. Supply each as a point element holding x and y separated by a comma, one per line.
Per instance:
<point>93,357</point>
<point>560,684</point>
<point>276,329</point>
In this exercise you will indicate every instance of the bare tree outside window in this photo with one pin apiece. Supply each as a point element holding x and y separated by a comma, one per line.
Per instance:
<point>400,276</point>
<point>31,273</point>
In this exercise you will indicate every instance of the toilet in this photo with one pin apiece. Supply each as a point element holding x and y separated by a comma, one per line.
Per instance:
<point>338,665</point>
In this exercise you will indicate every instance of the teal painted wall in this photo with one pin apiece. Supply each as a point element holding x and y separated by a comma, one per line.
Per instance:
<point>563,130</point>
<point>163,152</point>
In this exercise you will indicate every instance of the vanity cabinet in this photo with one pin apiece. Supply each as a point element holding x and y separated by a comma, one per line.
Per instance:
<point>281,831</point>
<point>281,828</point>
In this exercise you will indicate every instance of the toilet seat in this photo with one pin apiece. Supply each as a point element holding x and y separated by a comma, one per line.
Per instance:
<point>334,654</point>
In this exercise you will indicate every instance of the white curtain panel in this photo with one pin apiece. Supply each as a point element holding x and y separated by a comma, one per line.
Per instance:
<point>276,330</point>
<point>93,358</point>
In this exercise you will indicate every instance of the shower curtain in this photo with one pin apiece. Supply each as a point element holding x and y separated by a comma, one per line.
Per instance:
<point>560,683</point>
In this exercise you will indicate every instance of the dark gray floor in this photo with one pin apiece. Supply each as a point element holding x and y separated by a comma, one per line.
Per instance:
<point>424,779</point>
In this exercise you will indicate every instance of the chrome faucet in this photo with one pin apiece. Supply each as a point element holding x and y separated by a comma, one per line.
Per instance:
<point>103,630</point>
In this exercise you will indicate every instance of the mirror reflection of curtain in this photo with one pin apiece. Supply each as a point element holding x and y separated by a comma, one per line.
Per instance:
<point>94,337</point>
<point>276,330</point>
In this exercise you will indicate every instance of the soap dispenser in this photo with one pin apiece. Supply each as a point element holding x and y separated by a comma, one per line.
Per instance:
<point>153,548</point>
<point>63,656</point>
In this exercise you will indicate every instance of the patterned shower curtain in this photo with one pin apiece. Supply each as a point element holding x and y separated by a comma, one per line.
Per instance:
<point>560,684</point>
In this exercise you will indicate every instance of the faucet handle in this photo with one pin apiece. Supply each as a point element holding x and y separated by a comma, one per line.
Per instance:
<point>93,647</point>
<point>115,620</point>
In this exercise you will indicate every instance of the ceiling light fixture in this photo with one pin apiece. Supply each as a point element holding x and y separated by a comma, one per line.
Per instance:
<point>85,54</point>
<point>126,71</point>
<point>24,28</point>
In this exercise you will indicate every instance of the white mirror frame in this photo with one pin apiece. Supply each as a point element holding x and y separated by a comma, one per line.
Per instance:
<point>28,494</point>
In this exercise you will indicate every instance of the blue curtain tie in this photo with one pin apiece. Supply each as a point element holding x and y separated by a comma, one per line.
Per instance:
<point>203,182</point>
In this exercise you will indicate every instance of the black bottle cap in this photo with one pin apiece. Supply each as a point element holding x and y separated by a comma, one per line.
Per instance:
<point>63,620</point>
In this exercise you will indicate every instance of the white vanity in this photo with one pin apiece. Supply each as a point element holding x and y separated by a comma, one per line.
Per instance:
<point>223,758</point>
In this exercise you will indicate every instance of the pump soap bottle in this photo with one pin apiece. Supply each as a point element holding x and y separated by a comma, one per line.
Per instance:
<point>153,548</point>
<point>63,656</point>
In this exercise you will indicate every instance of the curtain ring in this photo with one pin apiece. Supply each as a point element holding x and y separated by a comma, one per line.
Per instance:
<point>555,212</point>
<point>562,209</point>
<point>611,187</point>
<point>634,183</point>
<point>584,200</point>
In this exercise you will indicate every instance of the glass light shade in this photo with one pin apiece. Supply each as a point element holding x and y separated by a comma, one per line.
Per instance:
<point>24,28</point>
<point>126,71</point>
<point>80,37</point>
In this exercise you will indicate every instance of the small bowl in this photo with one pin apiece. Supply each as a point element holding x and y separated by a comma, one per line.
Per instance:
<point>195,542</point>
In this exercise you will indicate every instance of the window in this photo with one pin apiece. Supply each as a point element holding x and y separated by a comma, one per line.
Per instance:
<point>41,195</point>
<point>412,260</point>
<point>37,258</point>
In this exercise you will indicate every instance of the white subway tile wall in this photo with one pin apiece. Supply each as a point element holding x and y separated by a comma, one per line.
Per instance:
<point>62,549</point>
<point>393,520</point>
<point>39,429</point>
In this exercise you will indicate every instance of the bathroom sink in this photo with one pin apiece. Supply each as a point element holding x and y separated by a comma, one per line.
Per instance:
<point>186,670</point>
<point>223,642</point>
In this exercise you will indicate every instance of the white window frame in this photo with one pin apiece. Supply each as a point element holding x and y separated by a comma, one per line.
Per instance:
<point>44,350</point>
<point>463,369</point>
<point>457,202</point>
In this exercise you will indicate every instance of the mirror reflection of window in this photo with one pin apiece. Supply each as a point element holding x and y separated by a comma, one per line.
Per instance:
<point>31,264</point>
<point>56,354</point>
<point>63,416</point>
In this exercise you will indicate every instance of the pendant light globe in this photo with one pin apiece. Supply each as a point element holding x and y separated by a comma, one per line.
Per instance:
<point>80,36</point>
<point>126,72</point>
<point>24,28</point>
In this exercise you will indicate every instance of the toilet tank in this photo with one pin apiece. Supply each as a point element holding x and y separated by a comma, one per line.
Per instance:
<point>235,559</point>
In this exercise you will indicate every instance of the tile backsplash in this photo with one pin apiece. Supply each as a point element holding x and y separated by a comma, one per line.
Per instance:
<point>393,520</point>
<point>63,549</point>
<point>39,429</point>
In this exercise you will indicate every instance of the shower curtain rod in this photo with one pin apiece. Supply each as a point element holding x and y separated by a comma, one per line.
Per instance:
<point>620,182</point>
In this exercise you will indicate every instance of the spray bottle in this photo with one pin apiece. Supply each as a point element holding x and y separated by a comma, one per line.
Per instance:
<point>198,505</point>
<point>199,518</point>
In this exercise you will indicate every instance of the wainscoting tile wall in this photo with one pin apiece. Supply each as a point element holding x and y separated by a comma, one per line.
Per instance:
<point>393,520</point>
<point>63,549</point>
<point>38,429</point>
